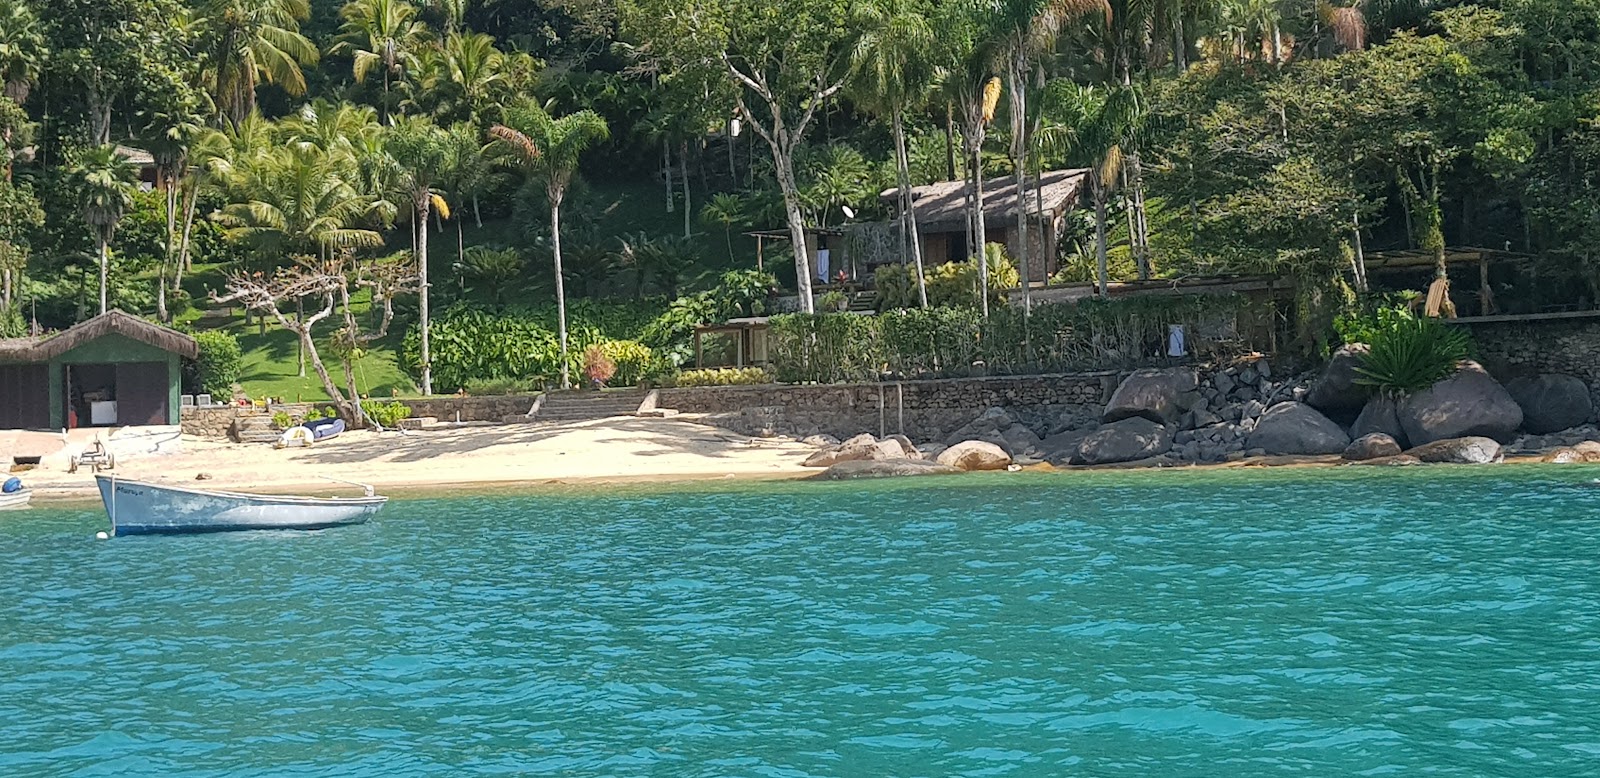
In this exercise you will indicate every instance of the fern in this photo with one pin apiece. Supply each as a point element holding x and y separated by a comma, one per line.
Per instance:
<point>1412,355</point>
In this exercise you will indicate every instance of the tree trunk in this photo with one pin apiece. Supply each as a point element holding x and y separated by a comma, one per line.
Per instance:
<point>782,157</point>
<point>561,288</point>
<point>1180,42</point>
<point>950,142</point>
<point>477,216</point>
<point>666,167</point>
<point>980,230</point>
<point>105,271</point>
<point>909,215</point>
<point>1102,274</point>
<point>1360,255</point>
<point>1019,153</point>
<point>683,162</point>
<point>1141,219</point>
<point>423,206</point>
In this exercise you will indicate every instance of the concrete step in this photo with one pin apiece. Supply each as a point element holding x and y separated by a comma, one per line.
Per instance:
<point>584,406</point>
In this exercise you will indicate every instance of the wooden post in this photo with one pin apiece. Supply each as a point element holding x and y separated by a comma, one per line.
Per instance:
<point>699,358</point>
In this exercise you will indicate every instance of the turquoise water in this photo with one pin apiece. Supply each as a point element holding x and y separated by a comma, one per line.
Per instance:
<point>1324,623</point>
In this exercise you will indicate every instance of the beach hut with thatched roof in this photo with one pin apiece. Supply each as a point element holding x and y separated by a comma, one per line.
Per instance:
<point>113,370</point>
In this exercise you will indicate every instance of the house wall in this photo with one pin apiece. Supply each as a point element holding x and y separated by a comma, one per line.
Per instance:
<point>109,350</point>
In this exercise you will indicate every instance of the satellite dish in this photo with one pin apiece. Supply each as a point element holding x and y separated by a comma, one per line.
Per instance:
<point>849,213</point>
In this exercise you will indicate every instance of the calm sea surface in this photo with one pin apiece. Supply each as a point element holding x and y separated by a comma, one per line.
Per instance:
<point>1308,622</point>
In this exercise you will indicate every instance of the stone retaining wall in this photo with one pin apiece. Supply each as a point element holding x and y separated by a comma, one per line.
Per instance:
<point>1511,349</point>
<point>920,409</point>
<point>217,421</point>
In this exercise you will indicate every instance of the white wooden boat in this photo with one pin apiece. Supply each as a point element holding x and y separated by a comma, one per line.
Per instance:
<point>143,508</point>
<point>15,499</point>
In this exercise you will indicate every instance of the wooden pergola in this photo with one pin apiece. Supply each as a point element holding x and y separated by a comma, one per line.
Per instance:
<point>749,336</point>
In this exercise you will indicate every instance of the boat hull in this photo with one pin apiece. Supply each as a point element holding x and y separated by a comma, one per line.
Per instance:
<point>15,499</point>
<point>143,508</point>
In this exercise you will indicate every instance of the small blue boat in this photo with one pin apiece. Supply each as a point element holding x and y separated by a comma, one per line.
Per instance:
<point>322,429</point>
<point>144,508</point>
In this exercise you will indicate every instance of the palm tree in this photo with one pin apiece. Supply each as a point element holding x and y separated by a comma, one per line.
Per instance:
<point>461,78</point>
<point>550,148</point>
<point>253,41</point>
<point>297,201</point>
<point>383,34</point>
<point>422,150</point>
<point>1091,125</point>
<point>1030,27</point>
<point>893,67</point>
<point>22,49</point>
<point>724,209</point>
<point>106,183</point>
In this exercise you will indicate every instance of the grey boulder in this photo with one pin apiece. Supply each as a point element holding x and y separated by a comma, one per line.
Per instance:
<point>1124,441</point>
<point>1335,390</point>
<point>975,455</point>
<point>1297,429</point>
<point>987,426</point>
<point>860,447</point>
<point>859,469</point>
<point>1474,450</point>
<point>1374,446</point>
<point>1551,402</point>
<point>1467,404</point>
<point>1157,395</point>
<point>1380,415</point>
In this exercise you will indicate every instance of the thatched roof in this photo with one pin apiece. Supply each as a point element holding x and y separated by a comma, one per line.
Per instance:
<point>138,157</point>
<point>942,207</point>
<point>47,347</point>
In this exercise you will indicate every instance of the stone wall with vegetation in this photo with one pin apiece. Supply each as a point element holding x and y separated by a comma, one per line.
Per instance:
<point>493,408</point>
<point>920,409</point>
<point>1512,349</point>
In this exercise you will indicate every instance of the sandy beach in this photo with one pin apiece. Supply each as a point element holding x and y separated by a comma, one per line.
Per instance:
<point>607,450</point>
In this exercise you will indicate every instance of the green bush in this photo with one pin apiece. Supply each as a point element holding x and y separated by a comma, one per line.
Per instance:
<point>218,365</point>
<point>825,347</point>
<point>897,287</point>
<point>385,414</point>
<point>833,302</point>
<point>1376,314</point>
<point>282,420</point>
<point>630,358</point>
<point>1413,355</point>
<point>725,376</point>
<point>956,283</point>
<point>471,342</point>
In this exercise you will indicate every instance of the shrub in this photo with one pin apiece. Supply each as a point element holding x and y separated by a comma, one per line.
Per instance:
<point>825,347</point>
<point>1413,355</point>
<point>218,365</point>
<point>630,358</point>
<point>833,302</point>
<point>725,376</point>
<point>1376,314</point>
<point>897,287</point>
<point>956,283</point>
<point>282,420</point>
<point>597,367</point>
<point>486,387</point>
<point>385,414</point>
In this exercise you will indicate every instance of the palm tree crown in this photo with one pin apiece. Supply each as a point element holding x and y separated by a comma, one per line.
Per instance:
<point>252,41</point>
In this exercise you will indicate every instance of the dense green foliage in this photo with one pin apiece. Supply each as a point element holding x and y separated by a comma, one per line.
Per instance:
<point>1413,354</point>
<point>947,341</point>
<point>1226,136</point>
<point>724,376</point>
<point>385,414</point>
<point>217,367</point>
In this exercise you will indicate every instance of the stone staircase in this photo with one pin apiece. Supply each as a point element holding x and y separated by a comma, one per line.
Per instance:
<point>864,302</point>
<point>588,405</point>
<point>255,428</point>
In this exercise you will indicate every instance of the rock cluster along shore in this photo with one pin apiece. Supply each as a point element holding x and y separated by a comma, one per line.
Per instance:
<point>1180,416</point>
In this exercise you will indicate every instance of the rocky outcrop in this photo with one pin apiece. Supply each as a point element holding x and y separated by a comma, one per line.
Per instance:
<point>975,455</point>
<point>1062,447</point>
<point>858,448</point>
<point>1335,390</point>
<point>1372,446</point>
<point>988,424</point>
<point>1157,395</point>
<point>860,469</point>
<point>906,445</point>
<point>1298,429</point>
<point>1400,460</point>
<point>1124,441</point>
<point>1564,456</point>
<point>1380,415</point>
<point>1473,450</point>
<point>1467,404</point>
<point>1551,402</point>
